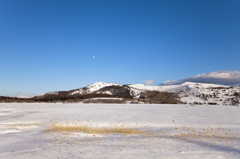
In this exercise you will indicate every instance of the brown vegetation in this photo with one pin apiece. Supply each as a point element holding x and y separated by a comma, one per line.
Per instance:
<point>4,99</point>
<point>160,97</point>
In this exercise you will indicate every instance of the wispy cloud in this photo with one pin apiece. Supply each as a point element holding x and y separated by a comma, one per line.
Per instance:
<point>93,57</point>
<point>148,82</point>
<point>220,77</point>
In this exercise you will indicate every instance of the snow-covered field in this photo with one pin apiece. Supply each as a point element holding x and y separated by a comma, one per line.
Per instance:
<point>169,131</point>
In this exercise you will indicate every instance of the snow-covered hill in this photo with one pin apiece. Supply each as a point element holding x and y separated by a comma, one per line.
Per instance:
<point>191,92</point>
<point>94,87</point>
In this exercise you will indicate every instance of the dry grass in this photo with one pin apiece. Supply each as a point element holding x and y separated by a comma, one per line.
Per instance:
<point>55,125</point>
<point>186,132</point>
<point>180,132</point>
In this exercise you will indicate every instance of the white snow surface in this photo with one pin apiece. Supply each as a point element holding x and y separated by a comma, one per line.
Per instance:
<point>22,132</point>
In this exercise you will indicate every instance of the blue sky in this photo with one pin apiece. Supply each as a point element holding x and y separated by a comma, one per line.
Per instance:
<point>48,45</point>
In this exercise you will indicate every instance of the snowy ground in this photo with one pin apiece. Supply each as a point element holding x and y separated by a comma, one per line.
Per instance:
<point>172,131</point>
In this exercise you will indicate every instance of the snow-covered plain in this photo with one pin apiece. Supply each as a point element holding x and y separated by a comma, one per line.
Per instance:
<point>171,131</point>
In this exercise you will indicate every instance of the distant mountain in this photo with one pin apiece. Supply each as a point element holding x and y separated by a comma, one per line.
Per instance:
<point>98,89</point>
<point>188,92</point>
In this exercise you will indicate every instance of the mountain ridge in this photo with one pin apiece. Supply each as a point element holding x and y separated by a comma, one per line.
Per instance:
<point>188,92</point>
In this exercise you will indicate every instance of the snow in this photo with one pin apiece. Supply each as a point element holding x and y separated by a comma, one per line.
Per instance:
<point>98,85</point>
<point>138,88</point>
<point>153,88</point>
<point>108,98</point>
<point>194,92</point>
<point>192,99</point>
<point>22,132</point>
<point>52,93</point>
<point>94,87</point>
<point>202,85</point>
<point>107,92</point>
<point>21,95</point>
<point>174,87</point>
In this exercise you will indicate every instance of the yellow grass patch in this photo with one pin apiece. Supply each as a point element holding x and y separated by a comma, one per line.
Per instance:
<point>55,125</point>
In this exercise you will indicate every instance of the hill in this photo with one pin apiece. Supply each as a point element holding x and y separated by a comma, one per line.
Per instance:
<point>188,92</point>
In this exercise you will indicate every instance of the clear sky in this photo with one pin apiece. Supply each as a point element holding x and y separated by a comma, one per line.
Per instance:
<point>48,45</point>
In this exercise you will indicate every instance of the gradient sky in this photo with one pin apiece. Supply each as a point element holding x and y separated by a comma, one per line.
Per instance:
<point>48,45</point>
